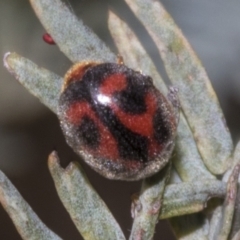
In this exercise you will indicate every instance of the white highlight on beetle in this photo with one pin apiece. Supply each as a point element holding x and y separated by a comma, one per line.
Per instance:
<point>103,99</point>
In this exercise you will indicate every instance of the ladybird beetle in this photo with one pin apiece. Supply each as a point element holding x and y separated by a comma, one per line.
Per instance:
<point>116,119</point>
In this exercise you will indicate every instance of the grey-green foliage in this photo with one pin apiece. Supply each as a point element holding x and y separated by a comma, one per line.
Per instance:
<point>203,145</point>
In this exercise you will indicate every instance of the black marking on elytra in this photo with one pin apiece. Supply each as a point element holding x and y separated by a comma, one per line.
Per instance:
<point>88,132</point>
<point>75,92</point>
<point>132,99</point>
<point>162,129</point>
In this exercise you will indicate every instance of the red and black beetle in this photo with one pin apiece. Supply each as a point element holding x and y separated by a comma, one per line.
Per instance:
<point>117,120</point>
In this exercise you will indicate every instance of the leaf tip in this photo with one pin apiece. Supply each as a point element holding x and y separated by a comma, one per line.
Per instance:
<point>2,177</point>
<point>5,61</point>
<point>53,159</point>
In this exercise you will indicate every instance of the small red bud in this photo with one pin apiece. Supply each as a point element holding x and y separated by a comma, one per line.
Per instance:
<point>48,39</point>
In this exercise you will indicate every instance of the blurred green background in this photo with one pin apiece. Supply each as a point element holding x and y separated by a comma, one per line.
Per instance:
<point>29,131</point>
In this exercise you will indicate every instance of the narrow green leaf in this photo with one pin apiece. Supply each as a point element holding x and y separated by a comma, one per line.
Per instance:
<point>222,231</point>
<point>147,207</point>
<point>186,158</point>
<point>26,221</point>
<point>190,197</point>
<point>236,218</point>
<point>236,155</point>
<point>214,222</point>
<point>190,227</point>
<point>74,39</point>
<point>197,97</point>
<point>235,227</point>
<point>40,82</point>
<point>87,210</point>
<point>187,161</point>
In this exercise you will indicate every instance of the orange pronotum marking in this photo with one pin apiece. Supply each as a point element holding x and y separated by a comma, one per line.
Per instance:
<point>76,72</point>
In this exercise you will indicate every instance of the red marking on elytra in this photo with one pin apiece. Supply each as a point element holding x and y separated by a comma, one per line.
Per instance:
<point>142,123</point>
<point>139,123</point>
<point>77,110</point>
<point>48,39</point>
<point>113,83</point>
<point>108,146</point>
